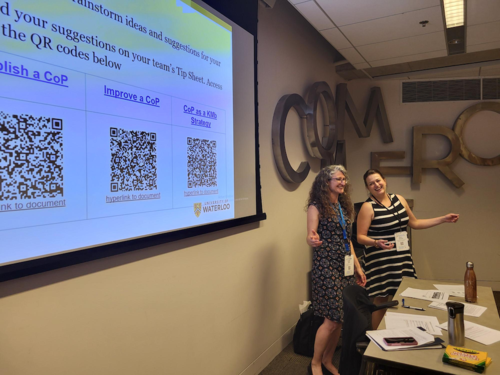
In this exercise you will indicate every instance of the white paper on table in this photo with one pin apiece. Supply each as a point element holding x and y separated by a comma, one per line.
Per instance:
<point>469,309</point>
<point>456,290</point>
<point>420,336</point>
<point>427,295</point>
<point>477,332</point>
<point>401,321</point>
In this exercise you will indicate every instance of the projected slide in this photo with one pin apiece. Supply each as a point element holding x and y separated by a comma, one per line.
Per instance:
<point>116,122</point>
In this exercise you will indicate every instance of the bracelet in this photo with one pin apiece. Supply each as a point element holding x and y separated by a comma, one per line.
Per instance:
<point>376,245</point>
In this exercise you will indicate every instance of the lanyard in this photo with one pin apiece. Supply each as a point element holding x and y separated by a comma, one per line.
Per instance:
<point>343,224</point>
<point>392,212</point>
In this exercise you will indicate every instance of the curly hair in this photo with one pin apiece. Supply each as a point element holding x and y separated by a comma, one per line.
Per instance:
<point>320,192</point>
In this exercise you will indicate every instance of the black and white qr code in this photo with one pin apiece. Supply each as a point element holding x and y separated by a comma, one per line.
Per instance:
<point>133,160</point>
<point>31,157</point>
<point>201,162</point>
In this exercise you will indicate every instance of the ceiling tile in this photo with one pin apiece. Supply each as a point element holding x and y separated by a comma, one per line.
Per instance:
<point>336,38</point>
<point>363,65</point>
<point>394,27</point>
<point>352,55</point>
<point>408,58</point>
<point>298,1</point>
<point>346,12</point>
<point>482,11</point>
<point>483,33</point>
<point>314,15</point>
<point>403,47</point>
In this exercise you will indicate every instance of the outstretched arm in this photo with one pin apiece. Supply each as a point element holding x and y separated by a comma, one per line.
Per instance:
<point>415,223</point>
<point>312,227</point>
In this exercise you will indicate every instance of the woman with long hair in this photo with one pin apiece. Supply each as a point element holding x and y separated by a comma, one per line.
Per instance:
<point>382,222</point>
<point>329,216</point>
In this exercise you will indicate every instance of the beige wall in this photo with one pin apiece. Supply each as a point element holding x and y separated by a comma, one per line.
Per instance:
<point>440,252</point>
<point>219,304</point>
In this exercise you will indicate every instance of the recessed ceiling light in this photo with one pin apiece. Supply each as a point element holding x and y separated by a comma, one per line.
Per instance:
<point>454,13</point>
<point>455,41</point>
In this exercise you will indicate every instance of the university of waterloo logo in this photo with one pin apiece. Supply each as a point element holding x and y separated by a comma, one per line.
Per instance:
<point>197,209</point>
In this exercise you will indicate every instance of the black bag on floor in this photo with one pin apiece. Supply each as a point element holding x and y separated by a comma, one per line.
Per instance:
<point>305,333</point>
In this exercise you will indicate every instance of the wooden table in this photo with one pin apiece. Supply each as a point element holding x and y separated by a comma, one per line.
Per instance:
<point>430,361</point>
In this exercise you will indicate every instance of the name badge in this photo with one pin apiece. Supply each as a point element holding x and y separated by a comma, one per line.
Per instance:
<point>402,241</point>
<point>349,266</point>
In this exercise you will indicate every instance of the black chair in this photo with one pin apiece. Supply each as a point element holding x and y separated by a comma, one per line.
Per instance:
<point>358,311</point>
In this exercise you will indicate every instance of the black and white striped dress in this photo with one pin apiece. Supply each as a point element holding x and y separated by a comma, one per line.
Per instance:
<point>384,269</point>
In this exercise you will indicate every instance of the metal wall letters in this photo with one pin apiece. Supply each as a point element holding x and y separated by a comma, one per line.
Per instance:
<point>444,164</point>
<point>331,149</point>
<point>459,127</point>
<point>457,147</point>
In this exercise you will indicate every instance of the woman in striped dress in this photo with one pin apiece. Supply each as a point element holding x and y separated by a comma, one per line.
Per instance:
<point>382,223</point>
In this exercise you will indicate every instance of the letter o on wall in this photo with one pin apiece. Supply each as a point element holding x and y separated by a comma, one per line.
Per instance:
<point>314,144</point>
<point>284,105</point>
<point>459,127</point>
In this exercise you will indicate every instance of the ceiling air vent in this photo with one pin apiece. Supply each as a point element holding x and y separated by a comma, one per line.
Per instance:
<point>441,91</point>
<point>490,88</point>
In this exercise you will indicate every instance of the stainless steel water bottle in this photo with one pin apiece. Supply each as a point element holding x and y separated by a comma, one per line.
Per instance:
<point>456,330</point>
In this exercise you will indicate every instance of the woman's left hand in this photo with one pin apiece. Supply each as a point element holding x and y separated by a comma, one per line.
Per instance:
<point>451,218</point>
<point>360,278</point>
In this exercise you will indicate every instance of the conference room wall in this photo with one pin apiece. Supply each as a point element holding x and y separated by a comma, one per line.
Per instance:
<point>439,253</point>
<point>220,304</point>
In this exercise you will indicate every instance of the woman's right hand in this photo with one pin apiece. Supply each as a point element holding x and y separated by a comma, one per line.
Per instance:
<point>384,244</point>
<point>313,239</point>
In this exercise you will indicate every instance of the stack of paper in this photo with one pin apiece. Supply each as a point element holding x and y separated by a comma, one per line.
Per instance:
<point>401,321</point>
<point>469,309</point>
<point>479,333</point>
<point>456,290</point>
<point>424,340</point>
<point>428,295</point>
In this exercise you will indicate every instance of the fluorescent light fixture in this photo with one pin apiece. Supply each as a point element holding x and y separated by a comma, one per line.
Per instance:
<point>454,13</point>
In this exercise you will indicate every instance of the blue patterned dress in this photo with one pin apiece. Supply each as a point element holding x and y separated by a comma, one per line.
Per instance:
<point>327,276</point>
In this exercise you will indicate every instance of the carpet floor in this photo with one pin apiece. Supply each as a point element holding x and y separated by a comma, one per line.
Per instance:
<point>289,363</point>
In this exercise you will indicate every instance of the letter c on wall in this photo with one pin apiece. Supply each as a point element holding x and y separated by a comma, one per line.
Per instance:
<point>284,105</point>
<point>318,147</point>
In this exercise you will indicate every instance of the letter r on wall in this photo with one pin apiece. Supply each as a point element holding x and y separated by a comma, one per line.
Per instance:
<point>444,164</point>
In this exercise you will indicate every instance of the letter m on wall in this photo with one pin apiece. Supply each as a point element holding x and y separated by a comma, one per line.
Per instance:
<point>376,109</point>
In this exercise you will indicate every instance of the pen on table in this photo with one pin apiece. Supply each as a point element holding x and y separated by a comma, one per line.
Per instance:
<point>411,307</point>
<point>414,308</point>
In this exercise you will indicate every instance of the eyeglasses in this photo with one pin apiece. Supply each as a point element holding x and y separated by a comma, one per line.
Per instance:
<point>339,179</point>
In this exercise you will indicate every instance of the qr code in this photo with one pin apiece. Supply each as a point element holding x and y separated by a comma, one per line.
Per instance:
<point>31,157</point>
<point>133,160</point>
<point>201,163</point>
